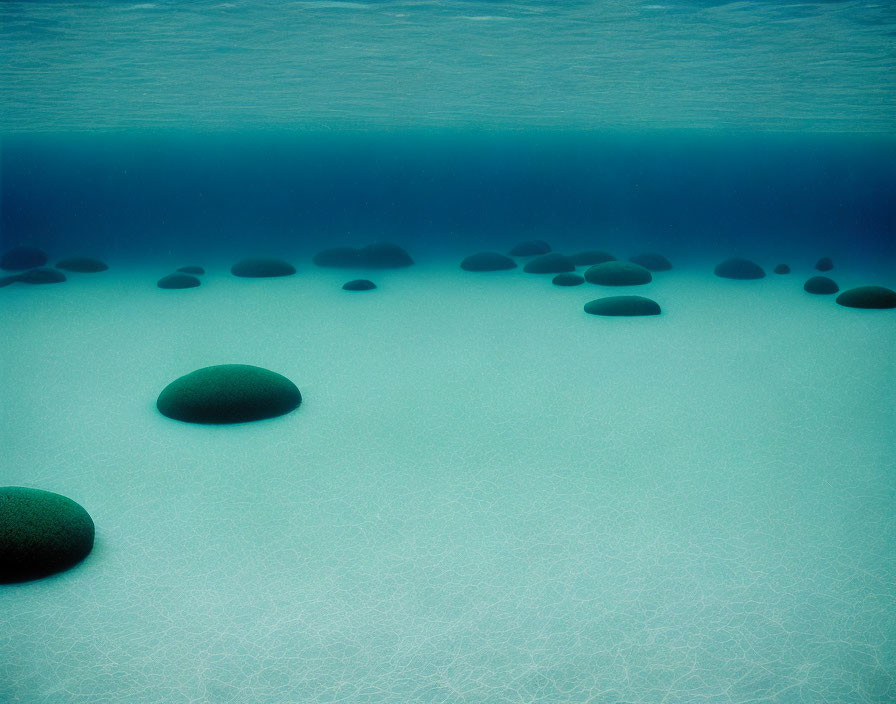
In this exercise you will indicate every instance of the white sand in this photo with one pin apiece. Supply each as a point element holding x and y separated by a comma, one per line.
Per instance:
<point>486,496</point>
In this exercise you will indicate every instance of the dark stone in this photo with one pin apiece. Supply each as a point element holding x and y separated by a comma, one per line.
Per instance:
<point>178,281</point>
<point>618,274</point>
<point>592,257</point>
<point>262,268</point>
<point>782,269</point>
<point>568,280</point>
<point>20,258</point>
<point>739,269</point>
<point>384,255</point>
<point>191,270</point>
<point>824,264</point>
<point>380,255</point>
<point>338,257</point>
<point>821,285</point>
<point>530,248</point>
<point>41,533</point>
<point>868,297</point>
<point>652,261</point>
<point>41,276</point>
<point>359,285</point>
<point>553,263</point>
<point>487,261</point>
<point>228,393</point>
<point>623,305</point>
<point>82,265</point>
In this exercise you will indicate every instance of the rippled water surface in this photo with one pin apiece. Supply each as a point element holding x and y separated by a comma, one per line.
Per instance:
<point>819,66</point>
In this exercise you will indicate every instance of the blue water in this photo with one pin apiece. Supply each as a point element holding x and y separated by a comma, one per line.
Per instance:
<point>487,495</point>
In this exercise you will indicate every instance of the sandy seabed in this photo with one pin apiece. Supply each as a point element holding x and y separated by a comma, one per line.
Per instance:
<point>486,496</point>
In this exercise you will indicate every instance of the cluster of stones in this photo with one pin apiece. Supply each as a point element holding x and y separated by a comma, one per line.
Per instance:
<point>30,261</point>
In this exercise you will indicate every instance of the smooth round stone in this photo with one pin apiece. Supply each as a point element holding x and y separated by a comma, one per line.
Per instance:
<point>338,257</point>
<point>228,393</point>
<point>652,261</point>
<point>623,306</point>
<point>553,263</point>
<point>739,269</point>
<point>821,285</point>
<point>19,258</point>
<point>191,270</point>
<point>384,255</point>
<point>41,276</point>
<point>178,281</point>
<point>487,261</point>
<point>530,248</point>
<point>782,269</point>
<point>568,280</point>
<point>592,257</point>
<point>868,297</point>
<point>41,533</point>
<point>618,274</point>
<point>262,268</point>
<point>824,264</point>
<point>359,285</point>
<point>82,265</point>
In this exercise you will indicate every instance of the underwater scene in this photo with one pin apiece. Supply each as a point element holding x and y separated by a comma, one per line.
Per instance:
<point>436,352</point>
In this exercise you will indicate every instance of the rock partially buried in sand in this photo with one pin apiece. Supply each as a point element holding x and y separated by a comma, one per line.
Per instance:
<point>553,263</point>
<point>821,285</point>
<point>652,261</point>
<point>82,265</point>
<point>19,258</point>
<point>739,269</point>
<point>191,270</point>
<point>487,261</point>
<point>877,297</point>
<point>384,255</point>
<point>379,255</point>
<point>618,274</point>
<point>228,393</point>
<point>34,276</point>
<point>178,281</point>
<point>623,306</point>
<point>592,257</point>
<point>359,285</point>
<point>262,268</point>
<point>567,280</point>
<point>824,264</point>
<point>530,248</point>
<point>782,269</point>
<point>41,533</point>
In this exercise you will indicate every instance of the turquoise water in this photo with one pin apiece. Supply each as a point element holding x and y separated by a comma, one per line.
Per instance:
<point>486,495</point>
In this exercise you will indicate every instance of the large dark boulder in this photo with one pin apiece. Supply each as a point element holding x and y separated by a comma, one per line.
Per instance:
<point>553,263</point>
<point>652,261</point>
<point>623,306</point>
<point>821,285</point>
<point>228,393</point>
<point>82,265</point>
<point>41,276</point>
<point>262,268</point>
<point>618,274</point>
<point>19,258</point>
<point>384,255</point>
<point>868,297</point>
<point>530,248</point>
<point>739,269</point>
<point>178,281</point>
<point>487,261</point>
<point>41,533</point>
<point>824,264</point>
<point>592,257</point>
<point>782,269</point>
